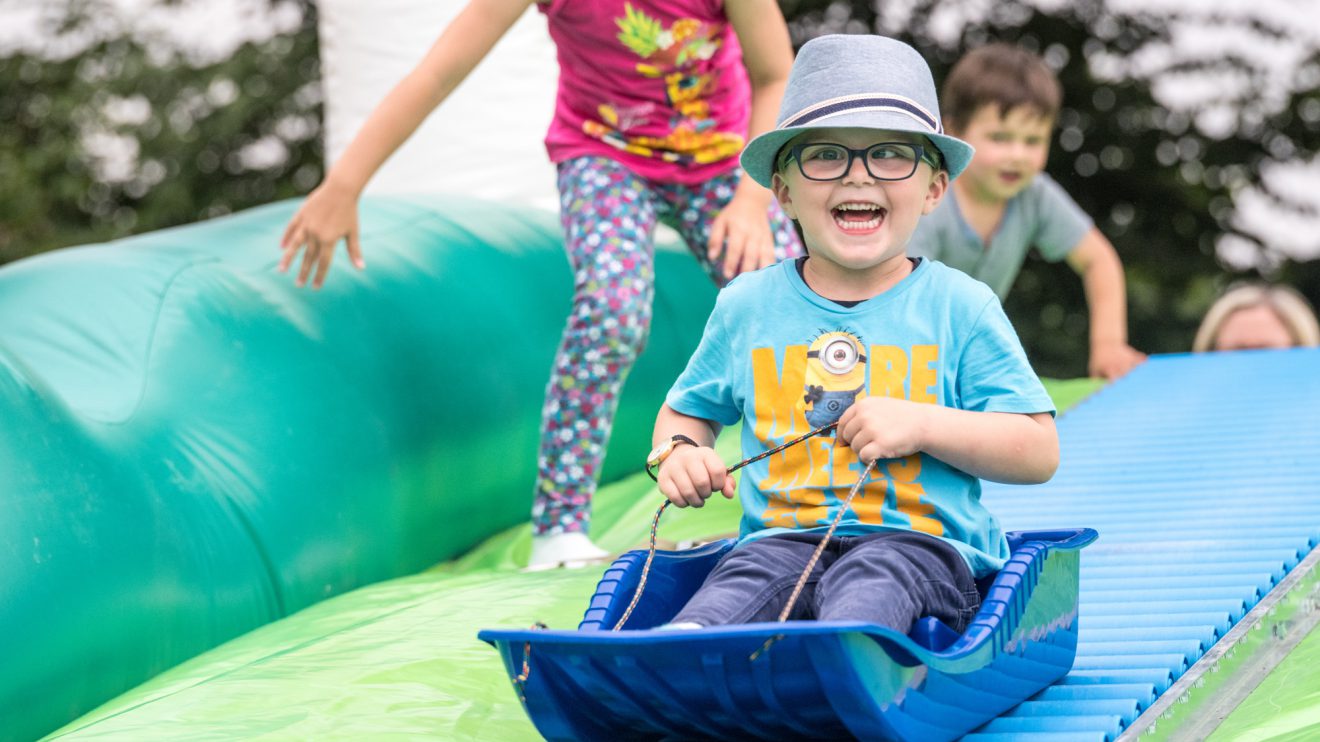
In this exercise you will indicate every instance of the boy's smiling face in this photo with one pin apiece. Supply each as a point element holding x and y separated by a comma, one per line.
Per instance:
<point>1010,150</point>
<point>858,224</point>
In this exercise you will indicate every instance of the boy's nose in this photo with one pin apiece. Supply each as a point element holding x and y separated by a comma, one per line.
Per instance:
<point>857,172</point>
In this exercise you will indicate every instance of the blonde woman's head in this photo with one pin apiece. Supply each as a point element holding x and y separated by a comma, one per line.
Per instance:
<point>1258,315</point>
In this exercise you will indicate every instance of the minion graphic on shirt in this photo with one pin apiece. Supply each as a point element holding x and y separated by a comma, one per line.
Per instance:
<point>835,375</point>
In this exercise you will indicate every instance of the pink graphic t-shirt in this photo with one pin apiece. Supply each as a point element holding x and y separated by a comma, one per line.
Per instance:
<point>657,85</point>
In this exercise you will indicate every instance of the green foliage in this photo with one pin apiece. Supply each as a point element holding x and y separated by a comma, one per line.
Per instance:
<point>209,139</point>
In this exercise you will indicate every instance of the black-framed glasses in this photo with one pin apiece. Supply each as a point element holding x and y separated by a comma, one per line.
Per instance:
<point>884,160</point>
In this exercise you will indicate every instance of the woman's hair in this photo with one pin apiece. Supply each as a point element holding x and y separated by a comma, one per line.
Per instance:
<point>1291,307</point>
<point>1002,75</point>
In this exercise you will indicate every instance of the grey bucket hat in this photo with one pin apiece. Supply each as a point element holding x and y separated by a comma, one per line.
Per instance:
<point>856,81</point>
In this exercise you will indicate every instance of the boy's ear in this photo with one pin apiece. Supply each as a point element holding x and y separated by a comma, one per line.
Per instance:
<point>939,185</point>
<point>779,187</point>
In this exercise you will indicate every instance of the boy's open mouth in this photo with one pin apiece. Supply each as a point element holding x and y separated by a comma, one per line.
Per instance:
<point>858,215</point>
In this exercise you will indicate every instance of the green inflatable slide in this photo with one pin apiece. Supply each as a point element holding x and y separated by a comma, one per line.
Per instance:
<point>192,447</point>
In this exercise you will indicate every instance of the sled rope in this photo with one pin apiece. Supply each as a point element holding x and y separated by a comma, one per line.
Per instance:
<point>811,563</point>
<point>655,522</point>
<point>520,680</point>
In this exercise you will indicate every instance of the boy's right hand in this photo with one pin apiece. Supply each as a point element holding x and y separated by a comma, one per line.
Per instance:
<point>691,474</point>
<point>884,427</point>
<point>328,215</point>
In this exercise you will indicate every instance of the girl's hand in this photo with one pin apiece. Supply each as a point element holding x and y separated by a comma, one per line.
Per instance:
<point>328,215</point>
<point>884,428</point>
<point>693,473</point>
<point>742,231</point>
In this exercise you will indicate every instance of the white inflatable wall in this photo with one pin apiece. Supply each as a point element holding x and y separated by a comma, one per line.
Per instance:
<point>485,140</point>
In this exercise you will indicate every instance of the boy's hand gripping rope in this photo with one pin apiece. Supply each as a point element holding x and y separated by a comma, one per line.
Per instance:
<point>655,525</point>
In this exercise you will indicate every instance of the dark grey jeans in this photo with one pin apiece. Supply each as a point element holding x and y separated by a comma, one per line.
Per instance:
<point>890,579</point>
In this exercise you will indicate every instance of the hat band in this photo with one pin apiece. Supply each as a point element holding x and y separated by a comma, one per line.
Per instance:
<point>837,106</point>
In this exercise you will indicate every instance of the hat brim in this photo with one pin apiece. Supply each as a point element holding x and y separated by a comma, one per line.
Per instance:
<point>758,157</point>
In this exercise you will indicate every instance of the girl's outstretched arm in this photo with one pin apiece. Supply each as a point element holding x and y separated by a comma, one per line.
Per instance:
<point>330,212</point>
<point>768,56</point>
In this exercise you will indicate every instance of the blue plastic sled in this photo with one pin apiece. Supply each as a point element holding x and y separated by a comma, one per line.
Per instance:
<point>822,680</point>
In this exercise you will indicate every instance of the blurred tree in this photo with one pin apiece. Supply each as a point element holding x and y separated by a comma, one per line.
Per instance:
<point>1159,186</point>
<point>129,136</point>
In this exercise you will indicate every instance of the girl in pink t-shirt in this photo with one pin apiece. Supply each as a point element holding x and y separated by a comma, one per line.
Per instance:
<point>656,100</point>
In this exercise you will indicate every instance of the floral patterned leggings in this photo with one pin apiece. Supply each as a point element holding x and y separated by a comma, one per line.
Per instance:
<point>609,216</point>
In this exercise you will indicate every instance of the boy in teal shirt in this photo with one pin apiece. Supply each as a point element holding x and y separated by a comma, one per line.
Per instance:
<point>914,361</point>
<point>1003,100</point>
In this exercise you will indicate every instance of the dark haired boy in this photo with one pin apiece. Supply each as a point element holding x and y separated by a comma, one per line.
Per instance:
<point>1003,100</point>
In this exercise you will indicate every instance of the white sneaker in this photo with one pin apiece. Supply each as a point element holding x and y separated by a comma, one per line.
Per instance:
<point>564,550</point>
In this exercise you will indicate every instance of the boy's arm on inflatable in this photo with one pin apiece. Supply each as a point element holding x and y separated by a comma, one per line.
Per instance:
<point>768,56</point>
<point>330,212</point>
<point>1097,262</point>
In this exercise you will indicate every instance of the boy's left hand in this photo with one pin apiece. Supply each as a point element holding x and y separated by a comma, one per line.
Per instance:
<point>1111,360</point>
<point>883,427</point>
<point>742,232</point>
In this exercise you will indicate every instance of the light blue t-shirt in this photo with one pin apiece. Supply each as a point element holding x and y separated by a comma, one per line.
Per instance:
<point>1042,216</point>
<point>785,361</point>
